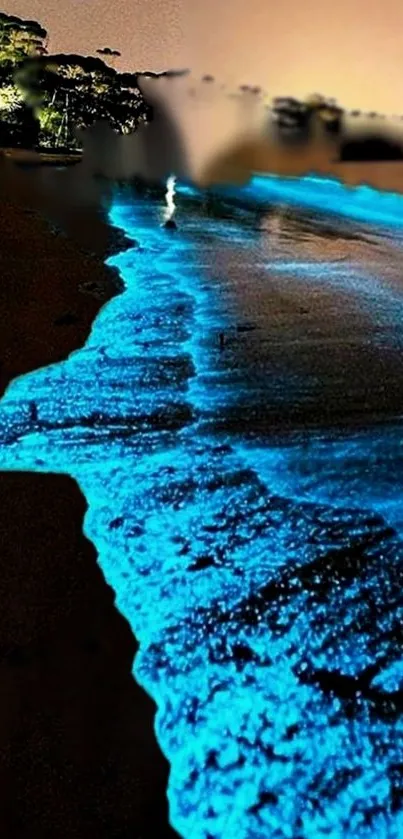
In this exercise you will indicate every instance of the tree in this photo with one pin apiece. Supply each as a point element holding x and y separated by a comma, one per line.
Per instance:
<point>72,91</point>
<point>315,100</point>
<point>44,98</point>
<point>18,40</point>
<point>110,54</point>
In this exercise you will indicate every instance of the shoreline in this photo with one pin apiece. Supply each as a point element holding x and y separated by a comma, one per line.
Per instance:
<point>76,730</point>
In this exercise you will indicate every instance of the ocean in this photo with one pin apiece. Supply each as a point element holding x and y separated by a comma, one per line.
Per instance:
<point>234,424</point>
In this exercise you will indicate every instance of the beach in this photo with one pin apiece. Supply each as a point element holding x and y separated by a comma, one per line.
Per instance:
<point>79,754</point>
<point>256,557</point>
<point>233,423</point>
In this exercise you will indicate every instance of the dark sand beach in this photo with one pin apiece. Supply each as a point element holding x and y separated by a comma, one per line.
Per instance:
<point>78,751</point>
<point>52,286</point>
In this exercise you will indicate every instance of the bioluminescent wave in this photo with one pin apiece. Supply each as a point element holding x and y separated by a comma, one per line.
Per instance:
<point>363,203</point>
<point>261,573</point>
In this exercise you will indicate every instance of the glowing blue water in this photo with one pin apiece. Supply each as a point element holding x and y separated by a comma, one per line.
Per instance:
<point>267,600</point>
<point>363,203</point>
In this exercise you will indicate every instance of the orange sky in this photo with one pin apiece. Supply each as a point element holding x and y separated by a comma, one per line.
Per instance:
<point>352,49</point>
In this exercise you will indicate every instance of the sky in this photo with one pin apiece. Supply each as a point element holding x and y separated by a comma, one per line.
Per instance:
<point>349,49</point>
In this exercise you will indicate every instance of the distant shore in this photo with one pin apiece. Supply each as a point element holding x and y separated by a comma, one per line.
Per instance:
<point>237,163</point>
<point>79,753</point>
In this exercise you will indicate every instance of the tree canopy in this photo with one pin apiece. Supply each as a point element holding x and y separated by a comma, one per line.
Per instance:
<point>60,93</point>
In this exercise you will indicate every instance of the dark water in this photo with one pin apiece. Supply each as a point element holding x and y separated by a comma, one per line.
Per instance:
<point>244,497</point>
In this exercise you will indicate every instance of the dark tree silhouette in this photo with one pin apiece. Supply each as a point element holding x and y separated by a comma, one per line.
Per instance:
<point>18,39</point>
<point>72,91</point>
<point>108,51</point>
<point>370,147</point>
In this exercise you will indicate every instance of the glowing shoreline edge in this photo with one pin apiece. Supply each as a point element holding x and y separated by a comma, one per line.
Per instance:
<point>99,484</point>
<point>328,195</point>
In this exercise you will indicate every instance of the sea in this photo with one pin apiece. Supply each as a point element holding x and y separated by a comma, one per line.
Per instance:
<point>234,421</point>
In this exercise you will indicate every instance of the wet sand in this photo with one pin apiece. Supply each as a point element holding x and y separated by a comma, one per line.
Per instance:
<point>52,287</point>
<point>79,755</point>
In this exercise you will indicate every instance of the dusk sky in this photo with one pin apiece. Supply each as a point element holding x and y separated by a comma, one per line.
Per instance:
<point>351,49</point>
